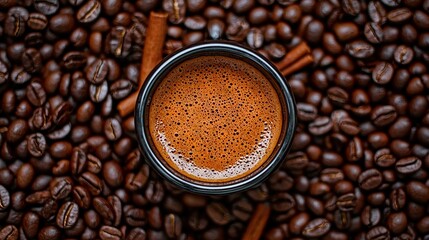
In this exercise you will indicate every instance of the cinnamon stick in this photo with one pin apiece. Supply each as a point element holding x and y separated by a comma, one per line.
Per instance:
<point>152,55</point>
<point>294,55</point>
<point>298,65</point>
<point>257,222</point>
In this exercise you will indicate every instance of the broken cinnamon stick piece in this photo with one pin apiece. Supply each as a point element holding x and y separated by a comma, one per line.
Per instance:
<point>152,55</point>
<point>298,65</point>
<point>294,55</point>
<point>257,222</point>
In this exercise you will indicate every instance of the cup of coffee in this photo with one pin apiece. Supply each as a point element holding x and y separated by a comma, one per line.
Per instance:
<point>215,118</point>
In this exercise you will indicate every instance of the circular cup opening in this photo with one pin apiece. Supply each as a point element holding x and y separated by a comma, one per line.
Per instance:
<point>215,48</point>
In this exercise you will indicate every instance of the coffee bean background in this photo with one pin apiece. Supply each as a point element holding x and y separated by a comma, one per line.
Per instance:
<point>70,167</point>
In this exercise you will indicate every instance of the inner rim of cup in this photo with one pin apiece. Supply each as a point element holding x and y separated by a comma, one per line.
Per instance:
<point>217,48</point>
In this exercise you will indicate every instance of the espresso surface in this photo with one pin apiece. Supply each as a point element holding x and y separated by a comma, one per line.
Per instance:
<point>215,118</point>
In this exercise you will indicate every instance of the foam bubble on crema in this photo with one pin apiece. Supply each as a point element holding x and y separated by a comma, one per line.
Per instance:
<point>215,119</point>
<point>244,164</point>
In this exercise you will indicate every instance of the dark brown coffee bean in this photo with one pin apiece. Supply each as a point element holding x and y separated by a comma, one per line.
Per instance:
<point>135,217</point>
<point>408,165</point>
<point>47,7</point>
<point>383,73</point>
<point>9,232</point>
<point>121,89</point>
<point>103,207</point>
<point>89,11</point>
<point>398,199</point>
<point>61,188</point>
<point>384,158</point>
<point>255,38</point>
<point>215,28</point>
<point>74,60</point>
<point>283,202</point>
<point>109,233</point>
<point>397,222</point>
<point>403,54</point>
<point>378,232</point>
<point>370,216</point>
<point>82,197</point>
<point>383,115</point>
<point>418,191</point>
<point>49,232</point>
<point>112,173</point>
<point>32,61</point>
<point>320,126</point>
<point>24,175</point>
<point>67,215</point>
<point>346,31</point>
<point>351,7</point>
<point>370,179</point>
<point>421,19</point>
<point>136,233</point>
<point>306,112</point>
<point>98,93</point>
<point>346,202</point>
<point>360,49</point>
<point>399,15</point>
<point>316,228</point>
<point>376,12</point>
<point>97,71</point>
<point>30,224</point>
<point>36,94</point>
<point>173,225</point>
<point>374,32</point>
<point>112,129</point>
<point>218,213</point>
<point>36,144</point>
<point>4,198</point>
<point>91,182</point>
<point>15,21</point>
<point>176,10</point>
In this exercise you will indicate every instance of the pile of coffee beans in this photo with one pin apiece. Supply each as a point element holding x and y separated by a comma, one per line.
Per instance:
<point>70,167</point>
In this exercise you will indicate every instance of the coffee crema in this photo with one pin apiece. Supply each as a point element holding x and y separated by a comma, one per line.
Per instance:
<point>215,118</point>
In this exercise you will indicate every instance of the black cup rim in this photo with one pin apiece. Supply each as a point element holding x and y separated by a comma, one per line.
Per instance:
<point>143,101</point>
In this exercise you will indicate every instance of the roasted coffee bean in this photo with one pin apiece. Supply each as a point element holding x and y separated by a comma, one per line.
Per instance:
<point>121,89</point>
<point>103,207</point>
<point>36,144</point>
<point>82,196</point>
<point>67,215</point>
<point>60,188</point>
<point>89,11</point>
<point>91,182</point>
<point>403,54</point>
<point>47,7</point>
<point>98,93</point>
<point>112,173</point>
<point>62,23</point>
<point>417,191</point>
<point>370,216</point>
<point>397,222</point>
<point>383,73</point>
<point>383,115</point>
<point>346,31</point>
<point>351,7</point>
<point>398,199</point>
<point>399,15</point>
<point>408,165</point>
<point>9,232</point>
<point>37,21</point>
<point>360,49</point>
<point>74,60</point>
<point>218,213</point>
<point>320,126</point>
<point>316,228</point>
<point>370,179</point>
<point>384,158</point>
<point>135,217</point>
<point>4,198</point>
<point>109,233</point>
<point>346,202</point>
<point>97,71</point>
